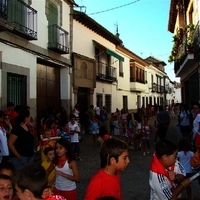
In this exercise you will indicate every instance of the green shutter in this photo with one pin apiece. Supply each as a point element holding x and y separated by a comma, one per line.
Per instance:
<point>53,20</point>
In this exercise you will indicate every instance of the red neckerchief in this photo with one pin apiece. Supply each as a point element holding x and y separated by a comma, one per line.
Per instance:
<point>158,168</point>
<point>55,197</point>
<point>61,161</point>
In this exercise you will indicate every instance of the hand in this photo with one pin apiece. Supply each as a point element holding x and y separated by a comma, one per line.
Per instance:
<point>172,175</point>
<point>186,182</point>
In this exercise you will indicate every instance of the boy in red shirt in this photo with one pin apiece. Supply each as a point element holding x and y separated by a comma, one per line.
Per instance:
<point>106,182</point>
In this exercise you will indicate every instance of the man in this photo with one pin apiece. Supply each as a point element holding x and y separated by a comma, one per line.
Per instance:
<point>163,119</point>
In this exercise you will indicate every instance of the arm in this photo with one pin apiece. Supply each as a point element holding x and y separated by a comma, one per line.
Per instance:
<point>11,142</point>
<point>76,176</point>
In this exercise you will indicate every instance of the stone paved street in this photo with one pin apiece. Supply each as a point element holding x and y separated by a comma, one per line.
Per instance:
<point>135,178</point>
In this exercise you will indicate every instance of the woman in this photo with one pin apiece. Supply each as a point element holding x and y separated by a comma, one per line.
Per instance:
<point>184,121</point>
<point>21,141</point>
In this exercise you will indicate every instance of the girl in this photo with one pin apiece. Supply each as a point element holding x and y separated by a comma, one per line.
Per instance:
<point>184,157</point>
<point>67,173</point>
<point>146,131</point>
<point>137,135</point>
<point>94,129</point>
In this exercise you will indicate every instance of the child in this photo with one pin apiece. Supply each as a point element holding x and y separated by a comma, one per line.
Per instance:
<point>74,132</point>
<point>137,135</point>
<point>46,141</point>
<point>129,130</point>
<point>6,188</point>
<point>49,152</point>
<point>116,127</point>
<point>94,129</point>
<point>184,157</point>
<point>67,173</point>
<point>114,156</point>
<point>167,175</point>
<point>112,118</point>
<point>7,168</point>
<point>146,132</point>
<point>30,182</point>
<point>65,133</point>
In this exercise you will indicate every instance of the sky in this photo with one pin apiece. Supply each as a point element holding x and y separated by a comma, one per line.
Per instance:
<point>142,25</point>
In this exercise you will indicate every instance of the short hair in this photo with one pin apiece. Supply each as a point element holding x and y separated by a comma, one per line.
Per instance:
<point>10,104</point>
<point>183,145</point>
<point>31,177</point>
<point>47,149</point>
<point>5,177</point>
<point>112,147</point>
<point>8,166</point>
<point>165,147</point>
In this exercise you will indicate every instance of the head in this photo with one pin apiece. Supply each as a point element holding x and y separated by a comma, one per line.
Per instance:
<point>114,153</point>
<point>160,108</point>
<point>30,182</point>
<point>7,168</point>
<point>10,105</point>
<point>183,145</point>
<point>47,133</point>
<point>196,108</point>
<point>23,117</point>
<point>182,106</point>
<point>137,117</point>
<point>72,119</point>
<point>129,117</point>
<point>64,149</point>
<point>145,119</point>
<point>6,187</point>
<point>6,118</point>
<point>49,152</point>
<point>166,152</point>
<point>102,130</point>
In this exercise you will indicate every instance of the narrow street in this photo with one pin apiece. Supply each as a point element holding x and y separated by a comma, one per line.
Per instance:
<point>135,178</point>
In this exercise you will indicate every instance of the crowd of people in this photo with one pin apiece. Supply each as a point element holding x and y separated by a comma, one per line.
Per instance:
<point>116,134</point>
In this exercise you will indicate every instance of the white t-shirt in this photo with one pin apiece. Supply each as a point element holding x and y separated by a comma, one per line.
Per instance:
<point>97,110</point>
<point>3,143</point>
<point>196,125</point>
<point>161,186</point>
<point>72,127</point>
<point>184,159</point>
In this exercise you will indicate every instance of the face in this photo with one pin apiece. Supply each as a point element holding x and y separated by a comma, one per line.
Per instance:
<point>123,161</point>
<point>170,160</point>
<point>73,120</point>
<point>6,189</point>
<point>47,134</point>
<point>21,195</point>
<point>51,155</point>
<point>7,172</point>
<point>60,150</point>
<point>6,118</point>
<point>196,109</point>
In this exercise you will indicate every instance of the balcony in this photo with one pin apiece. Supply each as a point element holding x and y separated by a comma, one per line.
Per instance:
<point>105,72</point>
<point>154,87</point>
<point>138,85</point>
<point>58,39</point>
<point>19,18</point>
<point>196,43</point>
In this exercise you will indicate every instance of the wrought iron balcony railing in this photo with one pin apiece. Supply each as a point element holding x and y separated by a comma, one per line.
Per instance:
<point>105,72</point>
<point>58,39</point>
<point>21,16</point>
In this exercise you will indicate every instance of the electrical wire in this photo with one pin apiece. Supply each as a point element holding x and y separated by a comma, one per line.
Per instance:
<point>114,8</point>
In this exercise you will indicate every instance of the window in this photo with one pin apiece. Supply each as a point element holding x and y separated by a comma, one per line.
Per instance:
<point>16,89</point>
<point>108,102</point>
<point>121,73</point>
<point>125,102</point>
<point>99,100</point>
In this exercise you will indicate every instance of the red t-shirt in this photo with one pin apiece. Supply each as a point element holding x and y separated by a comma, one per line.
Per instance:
<point>102,185</point>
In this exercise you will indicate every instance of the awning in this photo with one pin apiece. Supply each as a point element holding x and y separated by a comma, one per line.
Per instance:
<point>159,76</point>
<point>112,53</point>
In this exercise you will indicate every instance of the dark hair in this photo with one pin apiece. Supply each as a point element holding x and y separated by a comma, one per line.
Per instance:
<point>137,117</point>
<point>112,147</point>
<point>23,114</point>
<point>5,177</point>
<point>66,144</point>
<point>160,108</point>
<point>107,198</point>
<point>165,147</point>
<point>183,145</point>
<point>47,149</point>
<point>102,130</point>
<point>8,166</point>
<point>9,104</point>
<point>1,114</point>
<point>32,177</point>
<point>49,122</point>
